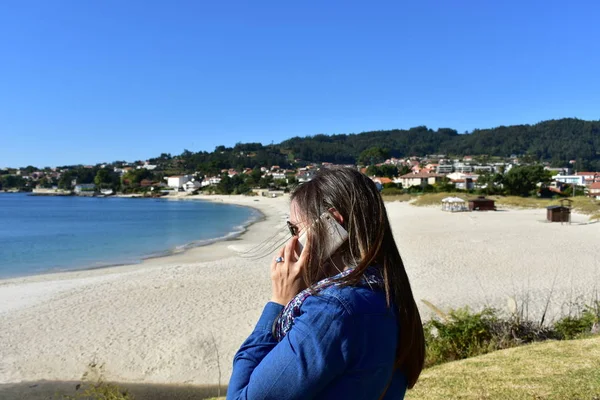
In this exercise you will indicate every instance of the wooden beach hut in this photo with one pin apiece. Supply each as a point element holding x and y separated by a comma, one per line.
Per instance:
<point>482,204</point>
<point>559,213</point>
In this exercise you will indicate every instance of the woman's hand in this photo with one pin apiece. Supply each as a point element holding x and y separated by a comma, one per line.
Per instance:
<point>286,276</point>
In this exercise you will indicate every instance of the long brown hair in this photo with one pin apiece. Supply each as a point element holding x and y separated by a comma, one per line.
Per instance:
<point>370,242</point>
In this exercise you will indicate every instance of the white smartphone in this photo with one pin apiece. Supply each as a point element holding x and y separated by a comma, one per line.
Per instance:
<point>335,231</point>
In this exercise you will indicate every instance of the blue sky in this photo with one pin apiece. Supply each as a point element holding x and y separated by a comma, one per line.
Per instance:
<point>93,81</point>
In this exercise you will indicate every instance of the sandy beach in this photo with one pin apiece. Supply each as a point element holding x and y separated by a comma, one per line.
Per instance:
<point>180,319</point>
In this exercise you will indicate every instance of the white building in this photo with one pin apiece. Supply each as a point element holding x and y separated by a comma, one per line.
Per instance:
<point>420,179</point>
<point>85,187</point>
<point>444,168</point>
<point>177,182</point>
<point>192,185</point>
<point>570,179</point>
<point>483,168</point>
<point>215,180</point>
<point>461,167</point>
<point>305,176</point>
<point>149,167</point>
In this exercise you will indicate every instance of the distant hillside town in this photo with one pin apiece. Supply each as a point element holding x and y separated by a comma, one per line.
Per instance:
<point>430,173</point>
<point>548,159</point>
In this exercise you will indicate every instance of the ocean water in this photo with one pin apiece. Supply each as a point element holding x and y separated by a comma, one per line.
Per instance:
<point>47,234</point>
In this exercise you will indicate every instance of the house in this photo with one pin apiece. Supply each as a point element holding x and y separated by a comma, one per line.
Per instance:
<point>393,161</point>
<point>215,180</point>
<point>278,175</point>
<point>178,181</point>
<point>463,184</point>
<point>192,185</point>
<point>381,181</point>
<point>594,190</point>
<point>483,169</point>
<point>444,169</point>
<point>589,177</point>
<point>462,167</point>
<point>578,180</point>
<point>148,166</point>
<point>559,171</point>
<point>416,168</point>
<point>420,179</point>
<point>305,176</point>
<point>85,187</point>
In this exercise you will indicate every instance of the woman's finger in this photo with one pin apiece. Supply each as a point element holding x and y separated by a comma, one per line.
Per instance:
<point>280,253</point>
<point>289,249</point>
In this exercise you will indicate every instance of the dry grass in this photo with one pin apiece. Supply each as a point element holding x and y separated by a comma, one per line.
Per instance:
<point>549,370</point>
<point>397,197</point>
<point>584,205</point>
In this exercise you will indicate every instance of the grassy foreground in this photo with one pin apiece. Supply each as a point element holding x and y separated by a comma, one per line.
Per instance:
<point>550,370</point>
<point>583,205</point>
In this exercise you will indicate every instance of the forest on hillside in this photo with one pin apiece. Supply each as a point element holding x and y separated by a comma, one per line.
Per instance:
<point>554,141</point>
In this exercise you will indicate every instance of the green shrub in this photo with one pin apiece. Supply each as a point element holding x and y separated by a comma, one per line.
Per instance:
<point>101,391</point>
<point>391,191</point>
<point>572,327</point>
<point>93,386</point>
<point>462,334</point>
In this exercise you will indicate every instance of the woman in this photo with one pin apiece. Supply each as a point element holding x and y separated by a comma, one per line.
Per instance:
<point>339,326</point>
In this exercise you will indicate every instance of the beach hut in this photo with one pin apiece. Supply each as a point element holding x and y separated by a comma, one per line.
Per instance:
<point>453,204</point>
<point>482,204</point>
<point>559,213</point>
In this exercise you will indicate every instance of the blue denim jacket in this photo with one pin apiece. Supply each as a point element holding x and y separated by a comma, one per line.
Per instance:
<point>342,346</point>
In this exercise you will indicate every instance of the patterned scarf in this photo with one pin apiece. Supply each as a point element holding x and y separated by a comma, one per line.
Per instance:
<point>372,278</point>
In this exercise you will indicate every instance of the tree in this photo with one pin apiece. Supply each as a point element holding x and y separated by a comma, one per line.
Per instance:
<point>373,155</point>
<point>388,171</point>
<point>66,179</point>
<point>45,183</point>
<point>492,182</point>
<point>29,170</point>
<point>524,180</point>
<point>107,179</point>
<point>12,182</point>
<point>135,176</point>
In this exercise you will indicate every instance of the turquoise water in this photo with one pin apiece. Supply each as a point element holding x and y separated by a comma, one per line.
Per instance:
<point>46,234</point>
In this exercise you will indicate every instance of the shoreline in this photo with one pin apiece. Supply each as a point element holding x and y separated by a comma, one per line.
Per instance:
<point>181,249</point>
<point>217,249</point>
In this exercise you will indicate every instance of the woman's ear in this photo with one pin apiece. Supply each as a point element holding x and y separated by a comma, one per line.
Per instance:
<point>338,217</point>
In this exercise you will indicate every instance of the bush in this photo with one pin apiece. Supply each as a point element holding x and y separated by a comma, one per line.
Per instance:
<point>391,191</point>
<point>572,327</point>
<point>462,334</point>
